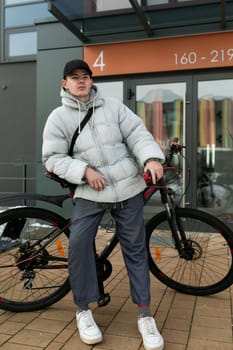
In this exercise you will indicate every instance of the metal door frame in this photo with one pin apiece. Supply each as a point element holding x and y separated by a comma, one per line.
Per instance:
<point>190,127</point>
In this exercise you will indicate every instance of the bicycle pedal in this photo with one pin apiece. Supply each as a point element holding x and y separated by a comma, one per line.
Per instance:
<point>104,299</point>
<point>27,285</point>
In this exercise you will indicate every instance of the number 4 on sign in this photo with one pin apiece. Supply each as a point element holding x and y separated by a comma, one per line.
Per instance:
<point>99,62</point>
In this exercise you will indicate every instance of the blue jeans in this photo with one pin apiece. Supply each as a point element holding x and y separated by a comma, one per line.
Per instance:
<point>130,229</point>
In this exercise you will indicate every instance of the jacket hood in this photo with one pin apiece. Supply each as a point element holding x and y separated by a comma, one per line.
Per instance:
<point>69,100</point>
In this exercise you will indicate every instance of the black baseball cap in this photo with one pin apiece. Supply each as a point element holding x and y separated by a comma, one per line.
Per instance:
<point>76,64</point>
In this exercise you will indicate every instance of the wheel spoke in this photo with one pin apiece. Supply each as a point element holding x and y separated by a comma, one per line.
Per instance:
<point>208,269</point>
<point>34,273</point>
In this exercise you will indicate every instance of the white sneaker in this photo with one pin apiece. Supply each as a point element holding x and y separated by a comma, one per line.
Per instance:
<point>88,330</point>
<point>152,339</point>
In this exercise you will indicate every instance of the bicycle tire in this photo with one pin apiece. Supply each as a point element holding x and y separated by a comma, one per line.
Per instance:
<point>28,284</point>
<point>209,271</point>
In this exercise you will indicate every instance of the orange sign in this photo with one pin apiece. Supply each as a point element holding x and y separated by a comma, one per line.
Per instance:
<point>157,55</point>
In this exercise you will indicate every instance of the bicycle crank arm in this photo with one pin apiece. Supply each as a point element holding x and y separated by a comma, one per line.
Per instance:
<point>104,299</point>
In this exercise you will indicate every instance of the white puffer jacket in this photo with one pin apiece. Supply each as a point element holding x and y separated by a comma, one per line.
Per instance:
<point>105,143</point>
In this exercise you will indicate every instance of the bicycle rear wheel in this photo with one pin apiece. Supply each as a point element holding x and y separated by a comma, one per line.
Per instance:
<point>208,270</point>
<point>33,259</point>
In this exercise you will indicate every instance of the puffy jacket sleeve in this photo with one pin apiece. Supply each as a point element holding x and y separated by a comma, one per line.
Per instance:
<point>139,140</point>
<point>55,151</point>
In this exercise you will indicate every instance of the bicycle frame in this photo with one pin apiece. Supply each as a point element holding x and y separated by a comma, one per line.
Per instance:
<point>166,195</point>
<point>104,267</point>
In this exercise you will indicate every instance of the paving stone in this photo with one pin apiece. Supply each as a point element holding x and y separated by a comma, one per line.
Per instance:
<point>45,325</point>
<point>4,338</point>
<point>175,336</point>
<point>186,322</point>
<point>24,317</point>
<point>32,338</point>
<point>175,323</point>
<point>211,333</point>
<point>9,327</point>
<point>5,315</point>
<point>209,321</point>
<point>172,346</point>
<point>55,346</point>
<point>206,344</point>
<point>10,346</point>
<point>64,335</point>
<point>117,342</point>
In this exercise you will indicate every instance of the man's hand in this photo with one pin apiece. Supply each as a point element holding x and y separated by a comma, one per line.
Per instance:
<point>95,179</point>
<point>155,169</point>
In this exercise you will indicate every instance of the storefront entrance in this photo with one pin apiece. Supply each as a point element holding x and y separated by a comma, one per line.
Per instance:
<point>198,109</point>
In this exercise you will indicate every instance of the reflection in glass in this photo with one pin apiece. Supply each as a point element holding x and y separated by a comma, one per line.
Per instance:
<point>162,109</point>
<point>25,15</point>
<point>215,151</point>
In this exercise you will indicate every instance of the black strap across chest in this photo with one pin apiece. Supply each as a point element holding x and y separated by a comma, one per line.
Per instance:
<point>78,130</point>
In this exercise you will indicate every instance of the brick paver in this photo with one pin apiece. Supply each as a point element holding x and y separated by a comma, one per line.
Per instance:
<point>186,322</point>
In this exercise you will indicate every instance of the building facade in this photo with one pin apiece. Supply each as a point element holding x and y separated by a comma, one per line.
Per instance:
<point>170,61</point>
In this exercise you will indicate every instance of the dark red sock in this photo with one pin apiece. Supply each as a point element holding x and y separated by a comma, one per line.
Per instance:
<point>144,310</point>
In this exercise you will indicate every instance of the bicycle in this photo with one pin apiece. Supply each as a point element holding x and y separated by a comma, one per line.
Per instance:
<point>189,250</point>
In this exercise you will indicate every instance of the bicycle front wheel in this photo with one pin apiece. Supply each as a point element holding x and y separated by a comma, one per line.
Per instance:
<point>209,267</point>
<point>33,259</point>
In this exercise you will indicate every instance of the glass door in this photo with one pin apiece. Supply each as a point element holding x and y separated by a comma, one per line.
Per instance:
<point>199,112</point>
<point>162,107</point>
<point>215,146</point>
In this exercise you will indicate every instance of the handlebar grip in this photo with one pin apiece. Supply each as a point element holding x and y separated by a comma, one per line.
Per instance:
<point>160,184</point>
<point>147,177</point>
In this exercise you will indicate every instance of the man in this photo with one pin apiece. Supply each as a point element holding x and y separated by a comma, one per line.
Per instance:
<point>107,176</point>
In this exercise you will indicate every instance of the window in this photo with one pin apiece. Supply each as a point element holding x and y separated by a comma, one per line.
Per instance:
<point>17,2</point>
<point>108,5</point>
<point>19,30</point>
<point>111,89</point>
<point>157,2</point>
<point>172,2</point>
<point>21,44</point>
<point>215,148</point>
<point>16,16</point>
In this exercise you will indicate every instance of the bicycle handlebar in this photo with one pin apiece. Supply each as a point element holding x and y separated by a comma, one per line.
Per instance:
<point>175,148</point>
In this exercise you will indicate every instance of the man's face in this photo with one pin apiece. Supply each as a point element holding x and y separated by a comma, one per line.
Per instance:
<point>79,84</point>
